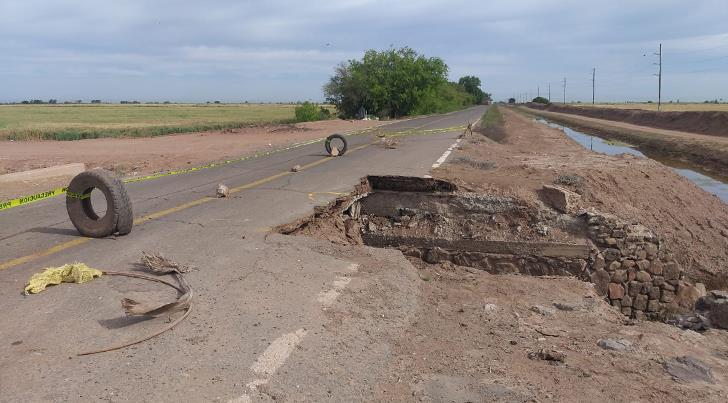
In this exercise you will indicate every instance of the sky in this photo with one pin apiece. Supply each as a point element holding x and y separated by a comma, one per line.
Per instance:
<point>270,51</point>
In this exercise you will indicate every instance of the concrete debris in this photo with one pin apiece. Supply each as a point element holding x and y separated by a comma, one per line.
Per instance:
<point>562,200</point>
<point>714,306</point>
<point>615,344</point>
<point>390,143</point>
<point>296,168</point>
<point>222,190</point>
<point>691,321</point>
<point>688,369</point>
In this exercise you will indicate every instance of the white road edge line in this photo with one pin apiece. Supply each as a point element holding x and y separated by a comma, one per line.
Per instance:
<point>446,154</point>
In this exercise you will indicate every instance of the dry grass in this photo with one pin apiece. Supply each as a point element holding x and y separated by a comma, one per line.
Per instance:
<point>668,107</point>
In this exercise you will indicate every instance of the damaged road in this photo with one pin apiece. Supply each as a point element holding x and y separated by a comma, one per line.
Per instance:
<point>259,298</point>
<point>319,316</point>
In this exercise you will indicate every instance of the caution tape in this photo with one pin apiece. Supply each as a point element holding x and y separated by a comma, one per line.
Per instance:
<point>20,201</point>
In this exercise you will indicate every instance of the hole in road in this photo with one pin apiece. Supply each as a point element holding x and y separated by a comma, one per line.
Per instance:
<point>433,221</point>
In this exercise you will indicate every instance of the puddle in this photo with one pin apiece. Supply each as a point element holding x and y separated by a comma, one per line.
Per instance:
<point>597,144</point>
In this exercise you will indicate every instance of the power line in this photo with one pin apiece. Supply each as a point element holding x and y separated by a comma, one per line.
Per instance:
<point>594,76</point>
<point>659,78</point>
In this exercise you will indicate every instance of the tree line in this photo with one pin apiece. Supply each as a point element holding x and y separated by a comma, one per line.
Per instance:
<point>399,82</point>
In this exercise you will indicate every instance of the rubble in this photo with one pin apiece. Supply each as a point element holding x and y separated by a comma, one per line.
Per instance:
<point>688,369</point>
<point>545,354</point>
<point>615,344</point>
<point>562,200</point>
<point>222,190</point>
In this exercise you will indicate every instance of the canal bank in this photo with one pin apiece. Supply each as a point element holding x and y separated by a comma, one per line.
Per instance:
<point>703,153</point>
<point>705,180</point>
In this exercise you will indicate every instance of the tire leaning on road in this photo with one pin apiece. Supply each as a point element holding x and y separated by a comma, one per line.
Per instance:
<point>118,218</point>
<point>327,143</point>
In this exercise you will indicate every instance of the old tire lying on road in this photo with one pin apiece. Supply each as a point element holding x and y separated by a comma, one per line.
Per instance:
<point>118,218</point>
<point>327,143</point>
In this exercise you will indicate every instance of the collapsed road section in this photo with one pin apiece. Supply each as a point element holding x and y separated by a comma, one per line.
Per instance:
<point>433,220</point>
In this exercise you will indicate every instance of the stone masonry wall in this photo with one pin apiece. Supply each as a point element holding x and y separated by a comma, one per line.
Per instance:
<point>630,267</point>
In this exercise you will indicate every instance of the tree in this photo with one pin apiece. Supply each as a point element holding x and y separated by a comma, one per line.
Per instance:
<point>391,83</point>
<point>511,100</point>
<point>472,86</point>
<point>541,100</point>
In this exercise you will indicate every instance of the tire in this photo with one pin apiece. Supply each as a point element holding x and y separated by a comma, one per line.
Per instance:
<point>118,217</point>
<point>327,144</point>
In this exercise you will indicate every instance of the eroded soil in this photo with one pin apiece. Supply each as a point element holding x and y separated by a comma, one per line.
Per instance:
<point>693,222</point>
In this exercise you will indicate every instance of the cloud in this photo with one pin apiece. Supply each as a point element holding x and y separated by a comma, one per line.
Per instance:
<point>285,50</point>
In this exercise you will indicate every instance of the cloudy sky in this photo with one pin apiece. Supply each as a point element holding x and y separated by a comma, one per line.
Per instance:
<point>235,50</point>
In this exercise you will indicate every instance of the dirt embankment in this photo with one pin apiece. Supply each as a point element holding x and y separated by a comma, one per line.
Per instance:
<point>713,123</point>
<point>693,222</point>
<point>710,153</point>
<point>139,156</point>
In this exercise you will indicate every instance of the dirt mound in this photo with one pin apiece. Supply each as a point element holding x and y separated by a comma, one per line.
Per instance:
<point>703,122</point>
<point>693,223</point>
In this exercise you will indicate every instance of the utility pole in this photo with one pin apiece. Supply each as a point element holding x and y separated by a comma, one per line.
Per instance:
<point>549,92</point>
<point>564,90</point>
<point>538,91</point>
<point>594,76</point>
<point>659,78</point>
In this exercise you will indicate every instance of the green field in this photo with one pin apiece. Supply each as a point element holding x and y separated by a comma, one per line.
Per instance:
<point>74,122</point>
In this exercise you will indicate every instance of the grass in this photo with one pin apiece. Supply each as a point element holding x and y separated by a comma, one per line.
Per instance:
<point>492,124</point>
<point>667,107</point>
<point>74,122</point>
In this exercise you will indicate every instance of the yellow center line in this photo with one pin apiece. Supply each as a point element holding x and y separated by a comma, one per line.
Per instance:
<point>162,213</point>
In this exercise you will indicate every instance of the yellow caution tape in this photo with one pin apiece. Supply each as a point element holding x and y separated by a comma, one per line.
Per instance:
<point>20,201</point>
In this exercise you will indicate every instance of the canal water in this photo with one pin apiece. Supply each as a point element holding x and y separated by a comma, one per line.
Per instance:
<point>597,144</point>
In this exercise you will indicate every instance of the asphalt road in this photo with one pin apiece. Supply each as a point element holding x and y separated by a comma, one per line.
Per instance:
<point>261,324</point>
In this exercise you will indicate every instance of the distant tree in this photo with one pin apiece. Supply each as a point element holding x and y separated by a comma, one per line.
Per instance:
<point>95,101</point>
<point>390,83</point>
<point>27,102</point>
<point>541,100</point>
<point>511,100</point>
<point>52,101</point>
<point>217,102</point>
<point>472,86</point>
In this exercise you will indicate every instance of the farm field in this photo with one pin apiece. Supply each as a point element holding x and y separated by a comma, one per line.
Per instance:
<point>73,122</point>
<point>666,107</point>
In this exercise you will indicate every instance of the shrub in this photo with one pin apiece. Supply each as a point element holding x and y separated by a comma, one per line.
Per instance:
<point>310,112</point>
<point>511,100</point>
<point>541,100</point>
